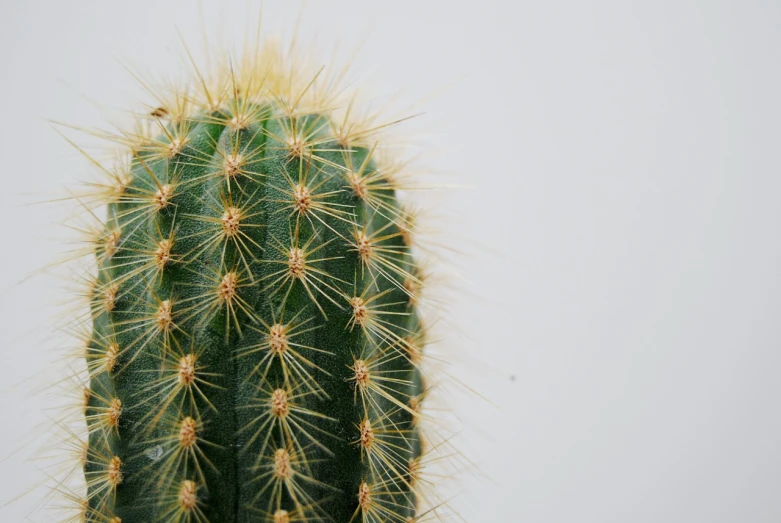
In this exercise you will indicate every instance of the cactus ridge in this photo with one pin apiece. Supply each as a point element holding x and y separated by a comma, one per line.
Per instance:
<point>256,335</point>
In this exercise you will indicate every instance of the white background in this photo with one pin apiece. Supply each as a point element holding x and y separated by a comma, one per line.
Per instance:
<point>620,232</point>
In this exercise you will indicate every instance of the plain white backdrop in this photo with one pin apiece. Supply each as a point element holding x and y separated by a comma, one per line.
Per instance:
<point>620,232</point>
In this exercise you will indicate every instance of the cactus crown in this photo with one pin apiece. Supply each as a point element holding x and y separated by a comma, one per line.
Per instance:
<point>256,339</point>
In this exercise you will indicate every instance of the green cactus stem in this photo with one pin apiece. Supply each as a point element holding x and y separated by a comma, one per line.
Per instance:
<point>256,340</point>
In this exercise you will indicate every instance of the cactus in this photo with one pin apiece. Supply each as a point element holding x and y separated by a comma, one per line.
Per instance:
<point>256,336</point>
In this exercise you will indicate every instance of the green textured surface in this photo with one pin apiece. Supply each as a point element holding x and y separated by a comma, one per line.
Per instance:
<point>233,466</point>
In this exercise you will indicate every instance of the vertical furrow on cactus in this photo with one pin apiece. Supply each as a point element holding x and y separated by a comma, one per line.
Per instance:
<point>207,286</point>
<point>265,459</point>
<point>342,338</point>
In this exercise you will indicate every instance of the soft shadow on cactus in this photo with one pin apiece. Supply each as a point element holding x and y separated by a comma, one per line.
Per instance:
<point>255,338</point>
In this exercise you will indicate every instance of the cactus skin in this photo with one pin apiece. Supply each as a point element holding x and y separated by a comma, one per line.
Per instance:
<point>255,335</point>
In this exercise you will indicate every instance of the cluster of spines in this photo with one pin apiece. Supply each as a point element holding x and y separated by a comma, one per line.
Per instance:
<point>264,270</point>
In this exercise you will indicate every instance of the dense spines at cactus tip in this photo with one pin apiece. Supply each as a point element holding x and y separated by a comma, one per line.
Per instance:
<point>256,343</point>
